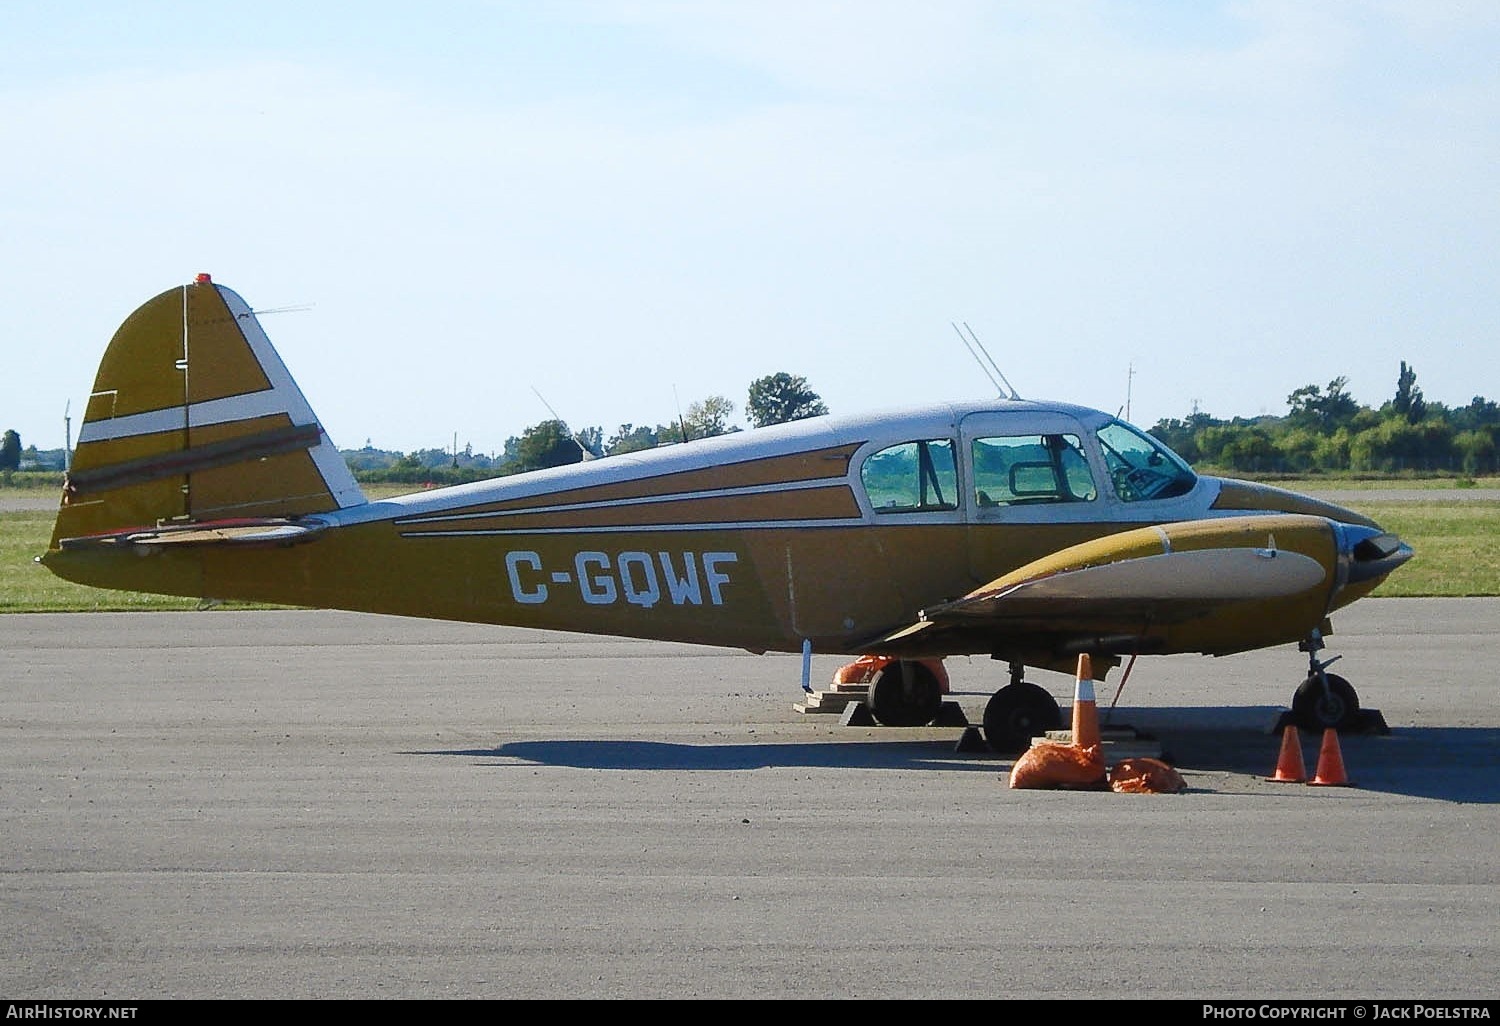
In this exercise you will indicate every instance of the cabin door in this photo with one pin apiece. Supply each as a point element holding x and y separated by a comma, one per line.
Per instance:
<point>1030,487</point>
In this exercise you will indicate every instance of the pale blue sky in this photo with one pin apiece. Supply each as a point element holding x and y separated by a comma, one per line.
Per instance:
<point>627,205</point>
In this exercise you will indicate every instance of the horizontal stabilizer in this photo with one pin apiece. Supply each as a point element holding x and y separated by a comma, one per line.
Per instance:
<point>268,531</point>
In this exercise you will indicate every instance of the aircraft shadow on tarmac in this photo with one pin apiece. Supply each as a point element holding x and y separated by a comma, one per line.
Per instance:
<point>1458,764</point>
<point>661,755</point>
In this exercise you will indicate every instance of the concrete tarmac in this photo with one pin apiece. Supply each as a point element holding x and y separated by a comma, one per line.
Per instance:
<point>324,805</point>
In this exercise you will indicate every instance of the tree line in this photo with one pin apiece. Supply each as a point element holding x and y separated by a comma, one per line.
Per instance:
<point>774,399</point>
<point>1326,430</point>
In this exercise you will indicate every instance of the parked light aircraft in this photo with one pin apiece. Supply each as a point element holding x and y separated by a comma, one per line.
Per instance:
<point>1031,532</point>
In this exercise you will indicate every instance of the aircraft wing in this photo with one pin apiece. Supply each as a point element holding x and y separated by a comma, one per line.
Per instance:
<point>1171,586</point>
<point>1117,593</point>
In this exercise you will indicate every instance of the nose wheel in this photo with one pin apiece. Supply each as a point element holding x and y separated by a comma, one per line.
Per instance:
<point>1323,699</point>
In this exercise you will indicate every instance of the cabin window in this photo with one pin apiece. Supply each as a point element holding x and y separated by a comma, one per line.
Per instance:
<point>1014,470</point>
<point>1142,468</point>
<point>912,477</point>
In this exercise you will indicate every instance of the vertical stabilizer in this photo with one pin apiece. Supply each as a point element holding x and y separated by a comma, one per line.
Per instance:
<point>193,417</point>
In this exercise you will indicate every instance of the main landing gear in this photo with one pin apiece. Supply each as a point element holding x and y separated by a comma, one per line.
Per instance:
<point>1323,699</point>
<point>1019,712</point>
<point>906,693</point>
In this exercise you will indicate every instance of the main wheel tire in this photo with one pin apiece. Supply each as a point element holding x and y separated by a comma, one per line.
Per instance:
<point>1017,713</point>
<point>905,694</point>
<point>1313,709</point>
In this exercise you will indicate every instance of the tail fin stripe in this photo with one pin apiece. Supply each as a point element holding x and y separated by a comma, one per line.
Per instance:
<point>215,411</point>
<point>198,458</point>
<point>133,424</point>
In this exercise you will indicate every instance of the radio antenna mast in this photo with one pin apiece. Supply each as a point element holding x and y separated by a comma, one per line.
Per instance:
<point>587,455</point>
<point>986,362</point>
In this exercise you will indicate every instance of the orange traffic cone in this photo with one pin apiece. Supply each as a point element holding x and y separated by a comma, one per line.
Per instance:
<point>1331,763</point>
<point>1085,712</point>
<point>1290,768</point>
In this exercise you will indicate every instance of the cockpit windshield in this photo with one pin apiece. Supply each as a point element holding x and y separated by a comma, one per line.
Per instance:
<point>1140,467</point>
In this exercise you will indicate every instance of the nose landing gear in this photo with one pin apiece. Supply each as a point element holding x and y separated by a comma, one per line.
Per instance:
<point>1323,699</point>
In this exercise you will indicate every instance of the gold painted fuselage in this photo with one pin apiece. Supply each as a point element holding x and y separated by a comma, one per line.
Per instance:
<point>201,471</point>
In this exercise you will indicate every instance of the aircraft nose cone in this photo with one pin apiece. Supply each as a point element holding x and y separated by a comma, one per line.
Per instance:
<point>1372,553</point>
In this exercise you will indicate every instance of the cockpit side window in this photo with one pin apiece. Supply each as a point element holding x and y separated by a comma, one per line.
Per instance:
<point>912,477</point>
<point>1014,470</point>
<point>1140,467</point>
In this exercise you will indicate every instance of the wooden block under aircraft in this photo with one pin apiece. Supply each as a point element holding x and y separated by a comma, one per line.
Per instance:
<point>1116,742</point>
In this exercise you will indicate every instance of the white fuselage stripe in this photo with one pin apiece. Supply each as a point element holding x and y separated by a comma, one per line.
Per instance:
<point>643,500</point>
<point>727,525</point>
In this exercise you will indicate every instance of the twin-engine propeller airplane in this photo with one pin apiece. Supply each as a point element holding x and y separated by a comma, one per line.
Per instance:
<point>1030,532</point>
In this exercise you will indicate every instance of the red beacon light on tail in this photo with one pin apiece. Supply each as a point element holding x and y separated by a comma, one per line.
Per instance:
<point>204,279</point>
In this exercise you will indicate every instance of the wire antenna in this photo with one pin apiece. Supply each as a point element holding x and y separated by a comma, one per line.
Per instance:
<point>681,421</point>
<point>277,310</point>
<point>587,455</point>
<point>986,362</point>
<point>547,404</point>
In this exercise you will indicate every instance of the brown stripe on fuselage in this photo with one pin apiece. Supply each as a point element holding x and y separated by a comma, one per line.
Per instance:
<point>833,502</point>
<point>814,465</point>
